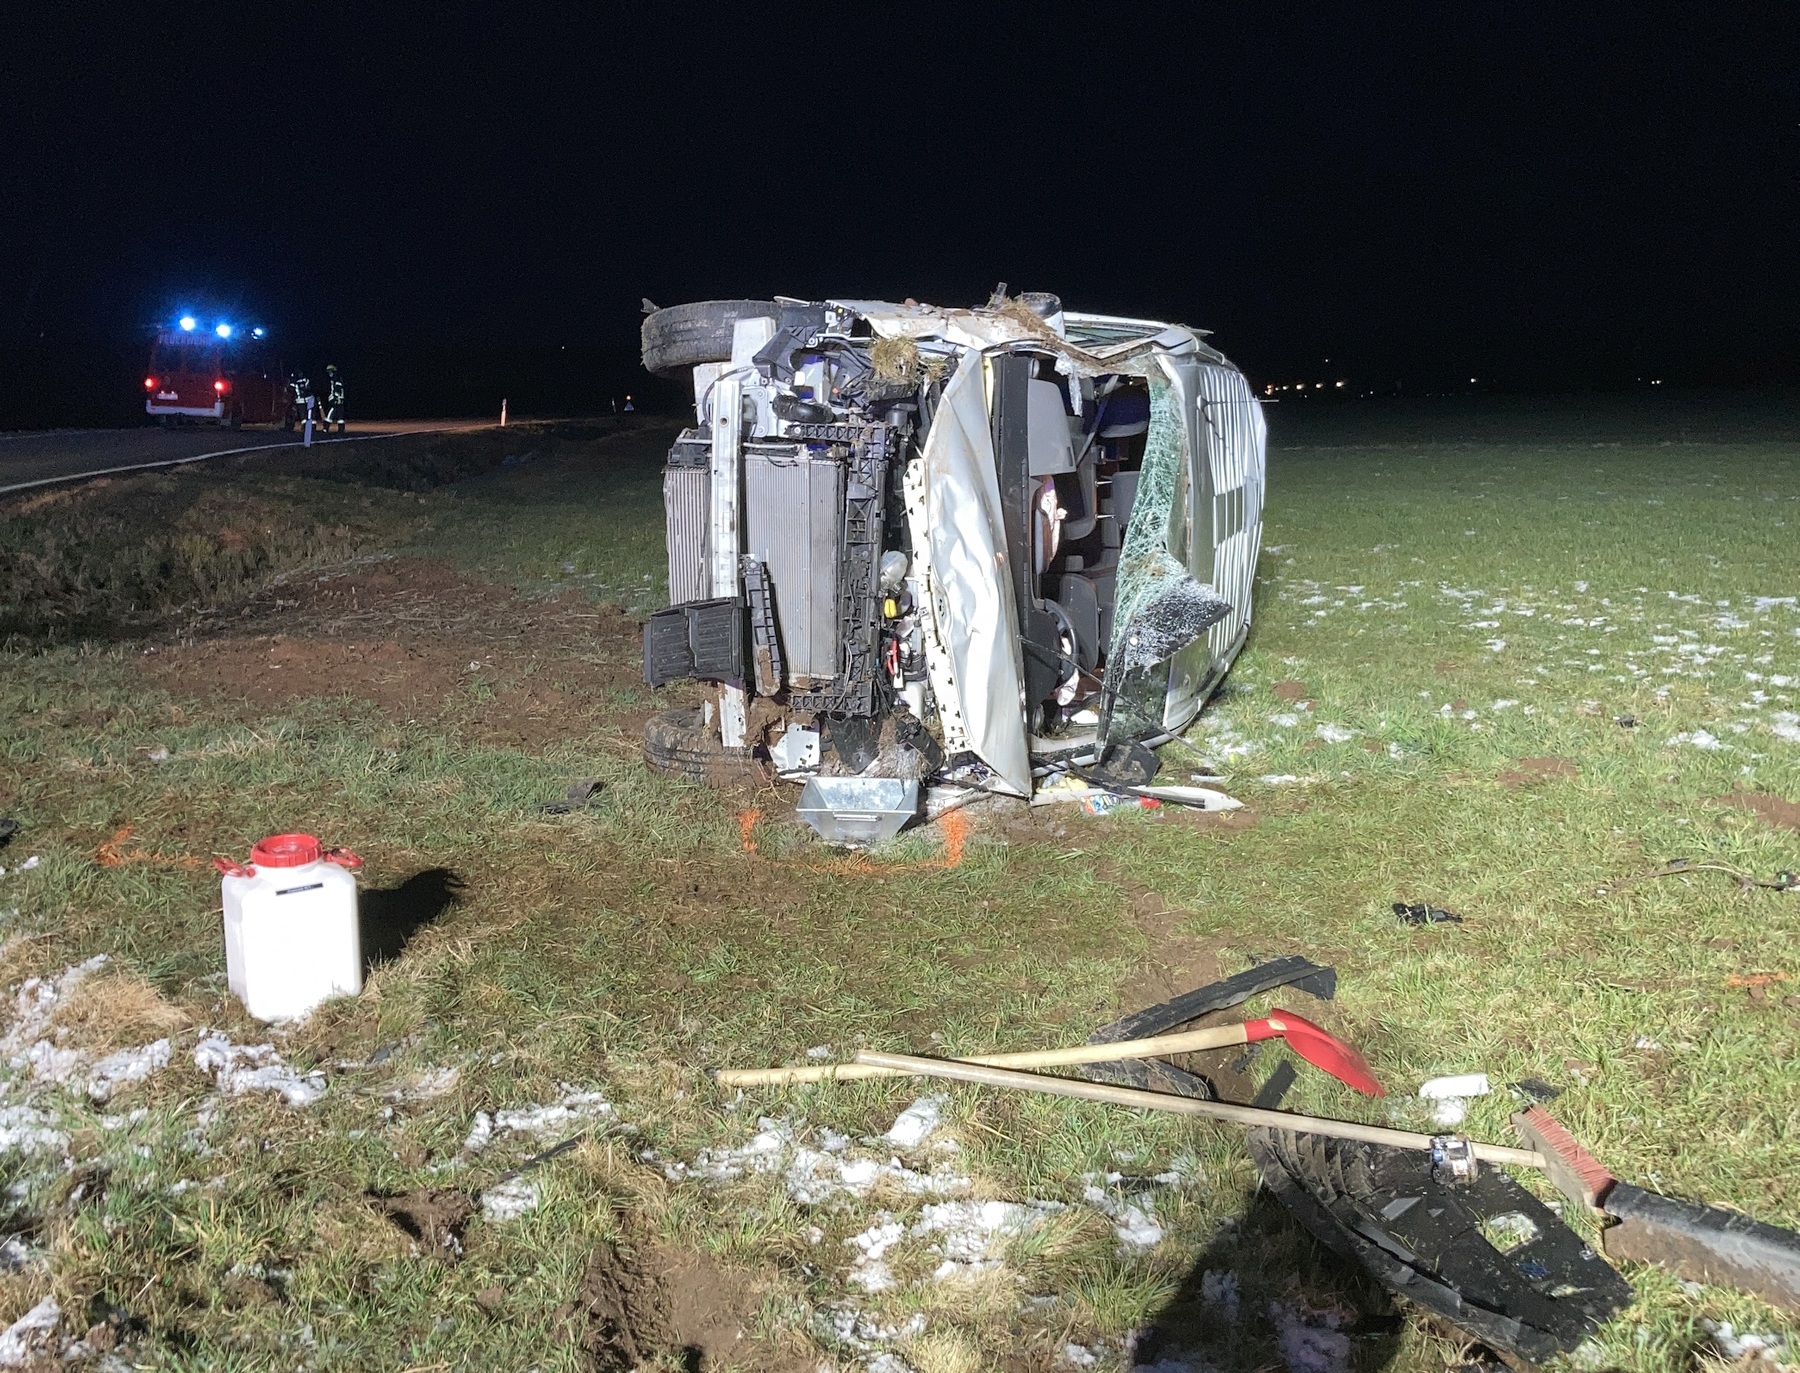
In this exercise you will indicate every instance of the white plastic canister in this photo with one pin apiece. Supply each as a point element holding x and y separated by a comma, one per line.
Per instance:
<point>292,939</point>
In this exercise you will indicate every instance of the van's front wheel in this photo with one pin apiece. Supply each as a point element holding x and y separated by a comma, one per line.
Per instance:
<point>680,743</point>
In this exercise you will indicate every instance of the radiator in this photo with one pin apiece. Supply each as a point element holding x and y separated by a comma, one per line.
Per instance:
<point>687,502</point>
<point>793,514</point>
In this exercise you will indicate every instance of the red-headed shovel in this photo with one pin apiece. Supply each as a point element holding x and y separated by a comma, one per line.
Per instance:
<point>1322,1050</point>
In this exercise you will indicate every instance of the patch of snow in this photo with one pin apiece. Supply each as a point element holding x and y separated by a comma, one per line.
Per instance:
<point>1735,1344</point>
<point>1496,645</point>
<point>1285,719</point>
<point>819,1051</point>
<point>1221,1290</point>
<point>481,1133</point>
<point>127,1065</point>
<point>1786,725</point>
<point>1335,734</point>
<point>1310,1341</point>
<point>1134,1224</point>
<point>27,1130</point>
<point>810,1175</point>
<point>16,1255</point>
<point>968,1234</point>
<point>913,1125</point>
<point>1277,779</point>
<point>1700,739</point>
<point>864,1332</point>
<point>240,1068</point>
<point>575,1108</point>
<point>22,1341</point>
<point>869,1269</point>
<point>509,1200</point>
<point>430,1084</point>
<point>1503,704</point>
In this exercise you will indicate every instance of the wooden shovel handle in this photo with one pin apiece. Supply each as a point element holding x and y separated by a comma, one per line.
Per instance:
<point>1187,1042</point>
<point>1187,1106</point>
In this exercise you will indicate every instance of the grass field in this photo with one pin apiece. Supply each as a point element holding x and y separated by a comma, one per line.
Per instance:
<point>1459,610</point>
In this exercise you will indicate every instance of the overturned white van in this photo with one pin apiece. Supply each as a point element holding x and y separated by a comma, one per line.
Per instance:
<point>971,546</point>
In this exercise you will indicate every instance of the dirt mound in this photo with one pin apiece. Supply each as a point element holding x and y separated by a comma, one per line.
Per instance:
<point>1776,810</point>
<point>669,1305</point>
<point>418,641</point>
<point>434,1217</point>
<point>1537,770</point>
<point>1290,690</point>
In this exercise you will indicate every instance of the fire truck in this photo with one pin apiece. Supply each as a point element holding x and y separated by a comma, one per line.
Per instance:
<point>223,375</point>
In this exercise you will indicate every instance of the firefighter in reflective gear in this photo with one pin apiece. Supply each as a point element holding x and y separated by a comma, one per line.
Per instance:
<point>334,398</point>
<point>300,390</point>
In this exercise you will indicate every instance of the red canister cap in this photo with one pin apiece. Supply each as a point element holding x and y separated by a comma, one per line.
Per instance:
<point>286,851</point>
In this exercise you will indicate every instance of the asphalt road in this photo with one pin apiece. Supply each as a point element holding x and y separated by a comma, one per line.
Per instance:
<point>40,458</point>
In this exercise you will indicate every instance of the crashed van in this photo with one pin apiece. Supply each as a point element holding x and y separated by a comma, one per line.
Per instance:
<point>918,549</point>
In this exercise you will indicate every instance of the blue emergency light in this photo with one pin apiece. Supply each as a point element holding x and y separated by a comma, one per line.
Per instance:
<point>223,331</point>
<point>187,323</point>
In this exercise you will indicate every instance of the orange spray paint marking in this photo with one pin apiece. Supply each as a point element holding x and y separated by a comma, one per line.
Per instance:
<point>746,828</point>
<point>112,854</point>
<point>956,835</point>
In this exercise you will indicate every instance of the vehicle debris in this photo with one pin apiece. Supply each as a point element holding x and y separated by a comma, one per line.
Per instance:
<point>1080,788</point>
<point>1693,1240</point>
<point>580,796</point>
<point>1419,913</point>
<point>1785,880</point>
<point>858,811</point>
<point>1534,1089</point>
<point>1314,980</point>
<point>1427,1238</point>
<point>907,542</point>
<point>1450,1096</point>
<point>1106,802</point>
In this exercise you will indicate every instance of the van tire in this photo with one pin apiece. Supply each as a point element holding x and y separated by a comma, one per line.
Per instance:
<point>679,743</point>
<point>683,336</point>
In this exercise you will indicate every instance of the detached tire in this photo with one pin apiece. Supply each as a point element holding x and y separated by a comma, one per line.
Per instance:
<point>683,336</point>
<point>678,743</point>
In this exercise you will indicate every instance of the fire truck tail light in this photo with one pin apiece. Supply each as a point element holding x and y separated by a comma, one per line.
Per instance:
<point>149,383</point>
<point>219,386</point>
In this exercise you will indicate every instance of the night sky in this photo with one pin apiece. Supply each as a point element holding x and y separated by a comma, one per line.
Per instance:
<point>1528,194</point>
